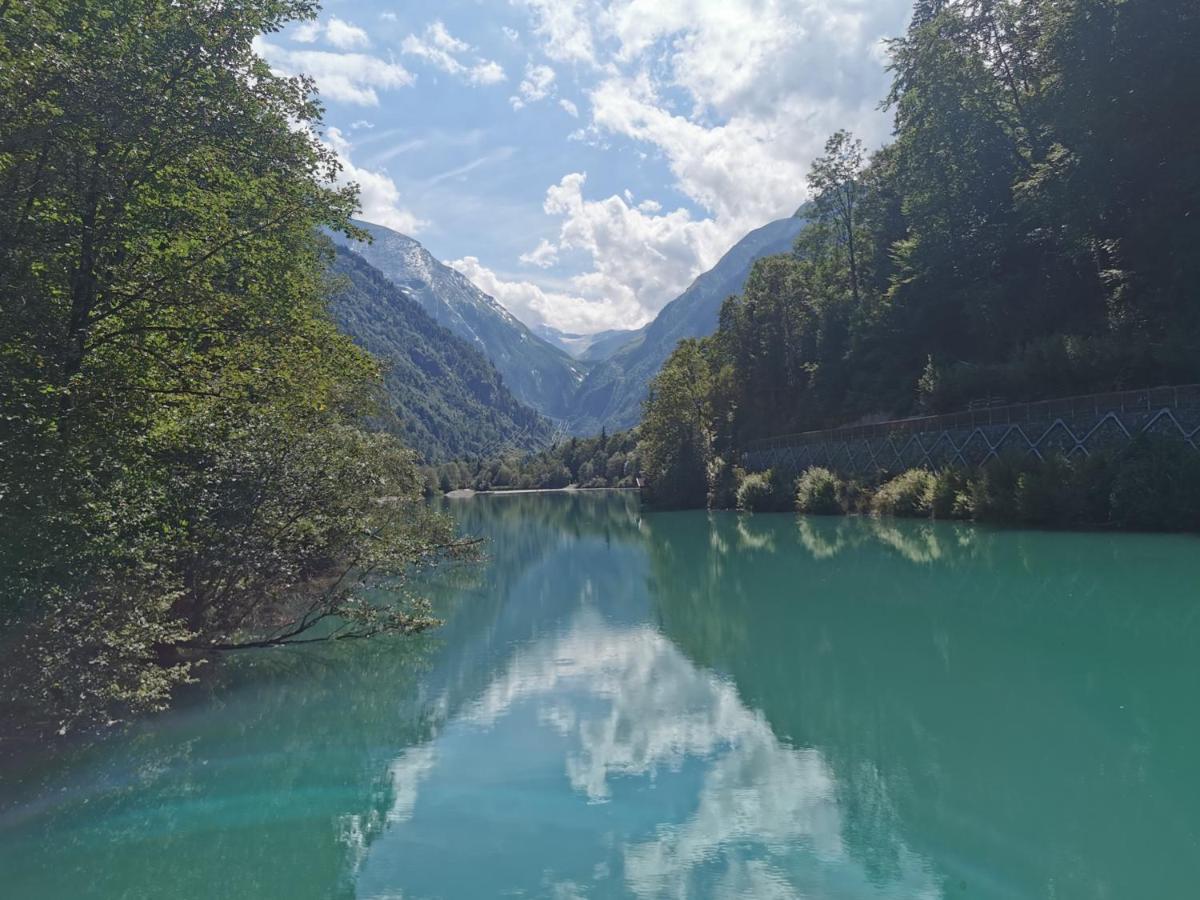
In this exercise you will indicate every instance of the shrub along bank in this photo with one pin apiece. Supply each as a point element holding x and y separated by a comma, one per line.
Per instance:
<point>1154,484</point>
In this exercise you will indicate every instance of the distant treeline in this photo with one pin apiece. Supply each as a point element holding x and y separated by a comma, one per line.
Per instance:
<point>603,461</point>
<point>1030,232</point>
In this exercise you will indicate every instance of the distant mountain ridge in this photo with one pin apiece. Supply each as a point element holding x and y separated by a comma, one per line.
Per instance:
<point>611,395</point>
<point>538,374</point>
<point>608,343</point>
<point>588,347</point>
<point>445,398</point>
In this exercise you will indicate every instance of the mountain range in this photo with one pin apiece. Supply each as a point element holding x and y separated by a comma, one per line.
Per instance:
<point>538,373</point>
<point>514,377</point>
<point>612,393</point>
<point>444,398</point>
<point>587,347</point>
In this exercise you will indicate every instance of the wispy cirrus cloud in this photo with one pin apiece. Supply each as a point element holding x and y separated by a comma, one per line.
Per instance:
<point>498,155</point>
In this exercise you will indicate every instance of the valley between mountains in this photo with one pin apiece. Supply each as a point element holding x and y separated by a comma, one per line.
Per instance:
<point>466,378</point>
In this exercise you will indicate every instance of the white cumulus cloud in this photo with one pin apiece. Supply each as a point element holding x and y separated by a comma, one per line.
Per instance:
<point>344,35</point>
<point>637,258</point>
<point>442,50</point>
<point>544,255</point>
<point>349,77</point>
<point>487,72</point>
<point>529,302</point>
<point>379,198</point>
<point>338,32</point>
<point>736,171</point>
<point>769,80</point>
<point>565,27</point>
<point>307,32</point>
<point>736,97</point>
<point>538,84</point>
<point>645,257</point>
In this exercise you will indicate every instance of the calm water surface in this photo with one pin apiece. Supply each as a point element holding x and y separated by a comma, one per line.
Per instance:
<point>678,705</point>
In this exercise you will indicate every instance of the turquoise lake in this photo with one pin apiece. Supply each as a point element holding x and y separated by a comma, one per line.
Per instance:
<point>676,705</point>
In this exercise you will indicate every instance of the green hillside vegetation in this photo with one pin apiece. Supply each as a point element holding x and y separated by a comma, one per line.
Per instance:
<point>443,397</point>
<point>539,374</point>
<point>1030,232</point>
<point>183,469</point>
<point>1154,484</point>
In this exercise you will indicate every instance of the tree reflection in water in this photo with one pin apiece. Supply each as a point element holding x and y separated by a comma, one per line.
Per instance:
<point>1003,703</point>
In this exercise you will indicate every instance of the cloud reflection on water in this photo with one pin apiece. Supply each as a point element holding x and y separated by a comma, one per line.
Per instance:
<point>761,820</point>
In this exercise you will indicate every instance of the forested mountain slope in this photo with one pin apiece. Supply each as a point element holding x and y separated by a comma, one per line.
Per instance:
<point>446,400</point>
<point>612,394</point>
<point>537,373</point>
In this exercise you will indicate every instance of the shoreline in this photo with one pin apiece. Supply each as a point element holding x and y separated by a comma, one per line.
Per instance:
<point>461,493</point>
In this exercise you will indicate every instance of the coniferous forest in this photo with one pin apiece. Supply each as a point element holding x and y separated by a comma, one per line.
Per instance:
<point>603,461</point>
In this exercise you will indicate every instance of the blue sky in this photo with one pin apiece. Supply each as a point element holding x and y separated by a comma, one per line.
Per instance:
<point>583,161</point>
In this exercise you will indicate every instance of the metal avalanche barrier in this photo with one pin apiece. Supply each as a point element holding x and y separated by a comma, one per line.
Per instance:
<point>1067,427</point>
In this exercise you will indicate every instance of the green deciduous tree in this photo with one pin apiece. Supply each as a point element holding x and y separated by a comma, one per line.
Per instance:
<point>677,430</point>
<point>181,466</point>
<point>834,182</point>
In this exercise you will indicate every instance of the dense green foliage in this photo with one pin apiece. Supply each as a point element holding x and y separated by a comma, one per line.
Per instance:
<point>763,491</point>
<point>1030,233</point>
<point>754,492</point>
<point>1157,487</point>
<point>444,398</point>
<point>604,461</point>
<point>819,492</point>
<point>1153,484</point>
<point>678,429</point>
<point>908,494</point>
<point>180,466</point>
